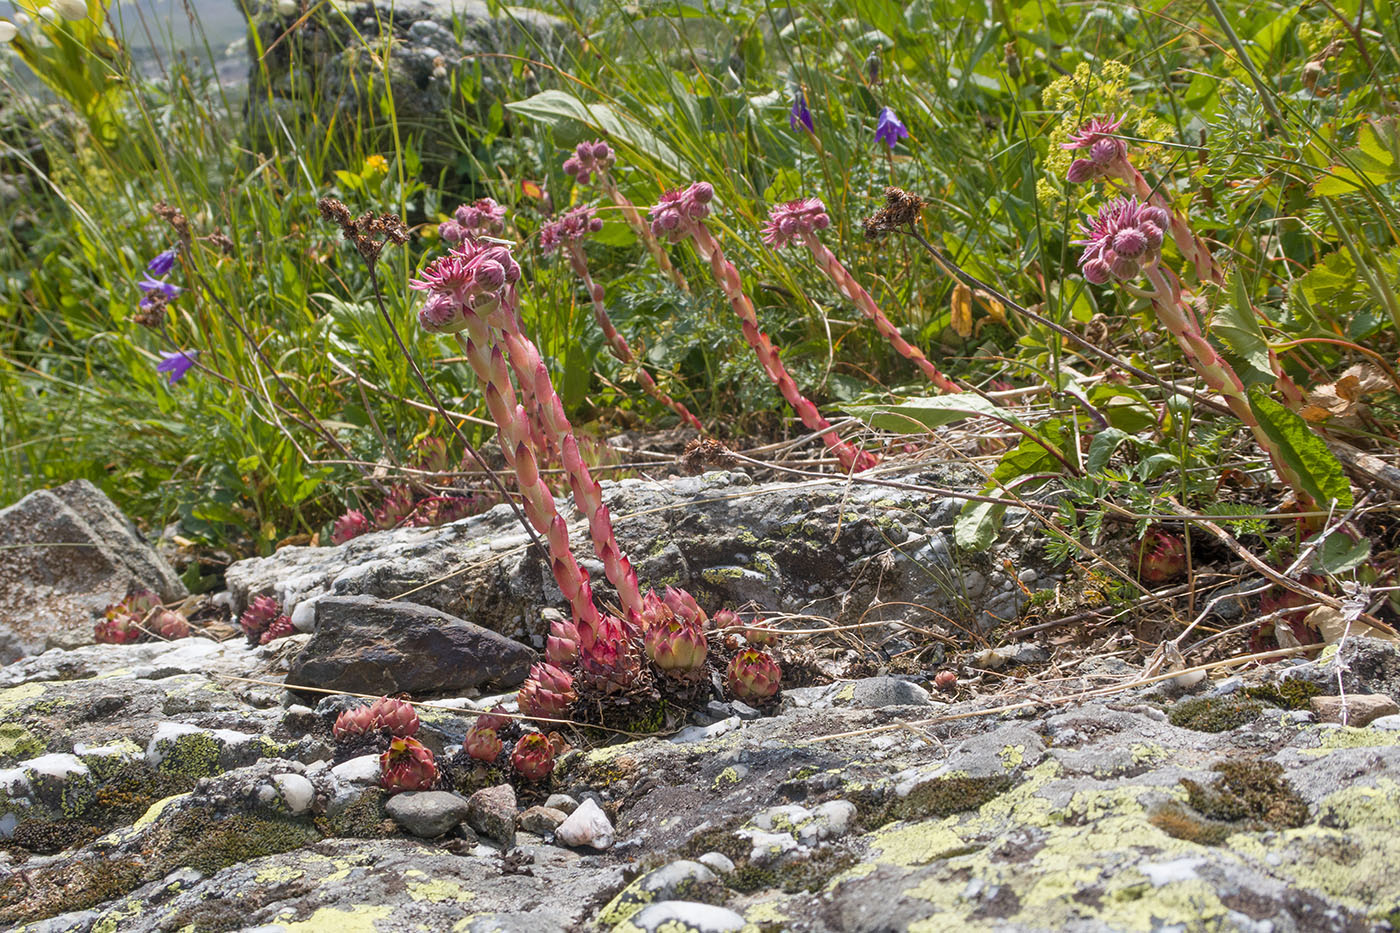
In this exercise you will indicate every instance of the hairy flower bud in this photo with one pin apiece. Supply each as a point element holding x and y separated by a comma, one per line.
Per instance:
<point>788,222</point>
<point>1119,242</point>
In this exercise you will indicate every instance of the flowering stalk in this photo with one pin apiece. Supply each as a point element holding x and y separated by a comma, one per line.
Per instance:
<point>568,233</point>
<point>680,215</point>
<point>798,221</point>
<point>597,158</point>
<point>1125,241</point>
<point>470,292</point>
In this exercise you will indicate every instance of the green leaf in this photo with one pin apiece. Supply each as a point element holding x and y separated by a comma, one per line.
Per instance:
<point>918,415</point>
<point>554,107</point>
<point>1103,446</point>
<point>1237,327</point>
<point>1029,457</point>
<point>977,525</point>
<point>1339,553</point>
<point>1302,451</point>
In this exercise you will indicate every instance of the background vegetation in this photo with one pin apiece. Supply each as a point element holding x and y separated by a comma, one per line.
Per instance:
<point>1277,136</point>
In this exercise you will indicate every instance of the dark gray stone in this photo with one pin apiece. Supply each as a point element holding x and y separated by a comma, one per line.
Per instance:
<point>427,813</point>
<point>367,645</point>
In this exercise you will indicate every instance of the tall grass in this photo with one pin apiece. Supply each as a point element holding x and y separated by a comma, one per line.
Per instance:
<point>274,438</point>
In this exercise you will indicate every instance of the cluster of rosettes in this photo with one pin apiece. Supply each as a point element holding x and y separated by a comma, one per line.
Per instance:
<point>396,716</point>
<point>1125,237</point>
<point>471,279</point>
<point>140,613</point>
<point>575,225</point>
<point>1106,150</point>
<point>589,159</point>
<point>263,621</point>
<point>481,217</point>
<point>678,211</point>
<point>787,222</point>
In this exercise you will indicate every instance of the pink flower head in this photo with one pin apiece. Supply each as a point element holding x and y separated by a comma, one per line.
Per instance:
<point>1106,149</point>
<point>1124,237</point>
<point>675,215</point>
<point>483,215</point>
<point>589,159</point>
<point>800,218</point>
<point>575,225</point>
<point>472,278</point>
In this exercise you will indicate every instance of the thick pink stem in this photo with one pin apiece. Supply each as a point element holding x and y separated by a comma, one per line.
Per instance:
<point>851,457</point>
<point>1195,251</point>
<point>847,285</point>
<point>1175,313</point>
<point>513,429</point>
<point>643,230</point>
<point>617,343</point>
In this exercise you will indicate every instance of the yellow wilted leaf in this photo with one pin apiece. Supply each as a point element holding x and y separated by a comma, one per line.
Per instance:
<point>962,310</point>
<point>995,309</point>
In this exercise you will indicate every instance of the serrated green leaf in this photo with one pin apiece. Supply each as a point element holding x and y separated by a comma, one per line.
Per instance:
<point>977,525</point>
<point>1302,451</point>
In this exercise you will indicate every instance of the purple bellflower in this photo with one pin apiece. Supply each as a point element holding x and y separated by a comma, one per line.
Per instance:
<point>163,263</point>
<point>150,286</point>
<point>175,365</point>
<point>799,115</point>
<point>888,128</point>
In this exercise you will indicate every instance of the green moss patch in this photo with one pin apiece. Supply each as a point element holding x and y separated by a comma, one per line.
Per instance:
<point>1293,693</point>
<point>1253,792</point>
<point>1214,714</point>
<point>207,841</point>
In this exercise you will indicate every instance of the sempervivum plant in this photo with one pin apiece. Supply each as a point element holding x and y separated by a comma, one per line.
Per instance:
<point>398,716</point>
<point>279,627</point>
<point>396,508</point>
<point>1161,556</point>
<point>117,630</point>
<point>567,234</point>
<point>680,215</point>
<point>547,693</point>
<point>678,648</point>
<point>533,757</point>
<point>407,765</point>
<point>483,744</point>
<point>353,722</point>
<point>259,616</point>
<point>798,222</point>
<point>170,625</point>
<point>350,525</point>
<point>561,645</point>
<point>753,675</point>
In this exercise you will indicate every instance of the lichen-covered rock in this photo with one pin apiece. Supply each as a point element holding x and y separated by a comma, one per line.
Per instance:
<point>859,553</point>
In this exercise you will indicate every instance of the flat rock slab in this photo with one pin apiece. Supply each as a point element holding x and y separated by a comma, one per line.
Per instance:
<point>69,553</point>
<point>848,552</point>
<point>367,645</point>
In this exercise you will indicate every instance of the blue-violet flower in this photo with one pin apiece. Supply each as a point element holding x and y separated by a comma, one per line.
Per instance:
<point>176,364</point>
<point>163,263</point>
<point>799,114</point>
<point>888,128</point>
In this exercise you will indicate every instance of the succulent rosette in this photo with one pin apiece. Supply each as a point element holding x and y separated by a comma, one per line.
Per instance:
<point>407,765</point>
<point>350,525</point>
<point>677,647</point>
<point>533,757</point>
<point>753,675</point>
<point>358,720</point>
<point>279,627</point>
<point>398,716</point>
<point>547,693</point>
<point>495,719</point>
<point>170,625</point>
<point>259,616</point>
<point>118,630</point>
<point>483,744</point>
<point>561,645</point>
<point>1161,557</point>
